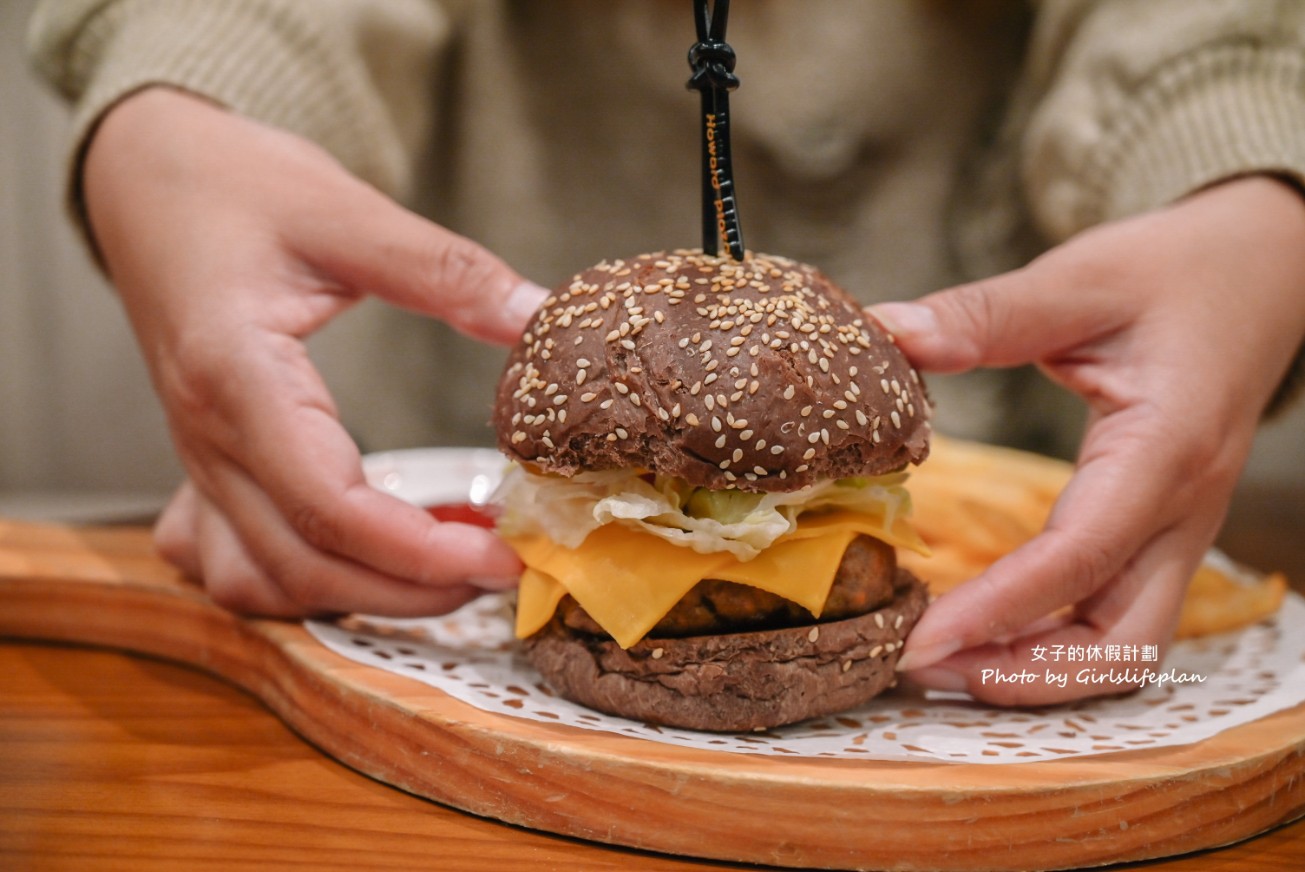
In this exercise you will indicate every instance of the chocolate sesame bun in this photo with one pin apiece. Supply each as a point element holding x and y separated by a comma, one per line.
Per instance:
<point>759,375</point>
<point>733,682</point>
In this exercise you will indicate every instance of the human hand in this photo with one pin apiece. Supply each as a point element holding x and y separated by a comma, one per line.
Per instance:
<point>231,242</point>
<point>1175,327</point>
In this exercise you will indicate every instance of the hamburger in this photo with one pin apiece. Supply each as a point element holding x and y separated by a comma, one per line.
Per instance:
<point>707,491</point>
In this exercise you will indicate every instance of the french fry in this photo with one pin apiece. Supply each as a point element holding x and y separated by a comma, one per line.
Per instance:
<point>974,503</point>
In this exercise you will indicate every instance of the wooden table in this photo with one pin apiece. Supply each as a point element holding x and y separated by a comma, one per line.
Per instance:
<point>109,761</point>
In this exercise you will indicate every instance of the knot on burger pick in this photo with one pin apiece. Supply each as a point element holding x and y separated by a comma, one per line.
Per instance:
<point>713,67</point>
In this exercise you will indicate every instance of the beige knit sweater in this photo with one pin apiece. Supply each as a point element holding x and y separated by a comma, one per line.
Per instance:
<point>901,146</point>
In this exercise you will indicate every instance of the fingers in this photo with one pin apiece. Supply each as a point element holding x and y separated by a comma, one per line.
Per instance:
<point>292,579</point>
<point>174,533</point>
<point>282,518</point>
<point>1012,319</point>
<point>1068,656</point>
<point>1102,517</point>
<point>173,179</point>
<point>1110,567</point>
<point>294,449</point>
<point>406,260</point>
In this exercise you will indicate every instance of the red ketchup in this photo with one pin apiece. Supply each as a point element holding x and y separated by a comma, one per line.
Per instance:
<point>463,513</point>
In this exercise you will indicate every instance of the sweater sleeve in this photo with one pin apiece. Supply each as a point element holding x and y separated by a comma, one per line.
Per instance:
<point>1142,103</point>
<point>1138,104</point>
<point>355,77</point>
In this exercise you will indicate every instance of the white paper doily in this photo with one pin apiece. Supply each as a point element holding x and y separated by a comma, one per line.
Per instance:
<point>1204,686</point>
<point>1231,679</point>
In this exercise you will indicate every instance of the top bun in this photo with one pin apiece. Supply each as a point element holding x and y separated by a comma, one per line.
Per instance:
<point>761,375</point>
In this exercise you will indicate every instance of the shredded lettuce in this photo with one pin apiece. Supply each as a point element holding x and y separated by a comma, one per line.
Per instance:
<point>742,523</point>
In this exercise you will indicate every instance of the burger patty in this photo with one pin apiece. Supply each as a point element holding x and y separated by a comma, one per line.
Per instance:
<point>863,583</point>
<point>734,682</point>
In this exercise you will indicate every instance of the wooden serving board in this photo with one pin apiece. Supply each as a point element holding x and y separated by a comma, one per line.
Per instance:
<point>105,586</point>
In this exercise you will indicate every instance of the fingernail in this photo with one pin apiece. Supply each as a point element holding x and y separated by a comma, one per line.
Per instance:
<point>494,583</point>
<point>919,658</point>
<point>939,679</point>
<point>905,319</point>
<point>524,300</point>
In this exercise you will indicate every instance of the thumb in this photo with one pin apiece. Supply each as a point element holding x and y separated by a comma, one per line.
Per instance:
<point>1024,316</point>
<point>383,249</point>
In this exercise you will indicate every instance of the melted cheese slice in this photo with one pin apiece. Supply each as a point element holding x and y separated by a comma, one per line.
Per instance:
<point>627,580</point>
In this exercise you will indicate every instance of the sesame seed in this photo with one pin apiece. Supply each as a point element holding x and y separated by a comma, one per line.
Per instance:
<point>814,634</point>
<point>879,620</point>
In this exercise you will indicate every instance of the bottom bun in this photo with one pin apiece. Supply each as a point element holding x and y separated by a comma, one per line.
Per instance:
<point>734,681</point>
